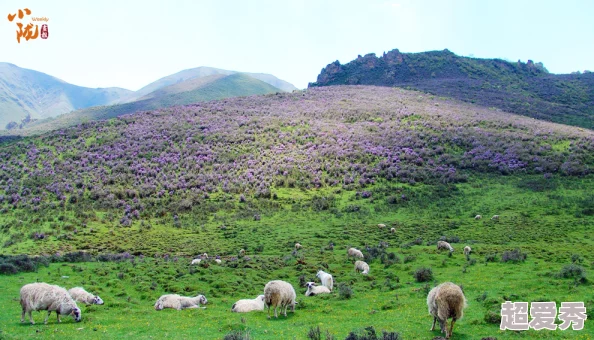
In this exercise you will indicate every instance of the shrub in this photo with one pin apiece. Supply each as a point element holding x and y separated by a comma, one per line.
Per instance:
<point>369,333</point>
<point>237,335</point>
<point>491,258</point>
<point>344,291</point>
<point>514,256</point>
<point>314,333</point>
<point>423,274</point>
<point>572,271</point>
<point>409,258</point>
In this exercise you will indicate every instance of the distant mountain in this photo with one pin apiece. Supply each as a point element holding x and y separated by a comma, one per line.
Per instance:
<point>212,87</point>
<point>26,94</point>
<point>200,72</point>
<point>523,88</point>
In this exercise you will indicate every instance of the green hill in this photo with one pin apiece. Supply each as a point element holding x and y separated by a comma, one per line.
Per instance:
<point>195,90</point>
<point>523,88</point>
<point>27,93</point>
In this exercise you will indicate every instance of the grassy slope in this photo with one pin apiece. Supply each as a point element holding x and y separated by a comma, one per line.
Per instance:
<point>531,220</point>
<point>221,87</point>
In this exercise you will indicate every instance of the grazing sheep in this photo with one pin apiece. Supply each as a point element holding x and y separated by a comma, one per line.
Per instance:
<point>196,261</point>
<point>361,266</point>
<point>444,245</point>
<point>81,295</point>
<point>218,261</point>
<point>467,250</point>
<point>495,217</point>
<point>392,230</point>
<point>178,302</point>
<point>247,305</point>
<point>381,225</point>
<point>446,301</point>
<point>312,289</point>
<point>204,256</point>
<point>354,252</point>
<point>326,279</point>
<point>279,293</point>
<point>297,246</point>
<point>42,296</point>
<point>241,252</point>
<point>478,217</point>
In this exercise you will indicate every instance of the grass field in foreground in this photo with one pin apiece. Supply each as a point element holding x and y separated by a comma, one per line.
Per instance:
<point>551,224</point>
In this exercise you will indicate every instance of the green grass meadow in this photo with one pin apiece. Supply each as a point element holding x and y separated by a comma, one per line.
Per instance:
<point>551,221</point>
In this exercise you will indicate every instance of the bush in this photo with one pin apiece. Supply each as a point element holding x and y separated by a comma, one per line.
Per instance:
<point>237,335</point>
<point>491,258</point>
<point>314,333</point>
<point>344,291</point>
<point>8,268</point>
<point>514,256</point>
<point>572,271</point>
<point>369,333</point>
<point>423,274</point>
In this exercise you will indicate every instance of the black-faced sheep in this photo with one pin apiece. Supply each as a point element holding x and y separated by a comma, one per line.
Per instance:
<point>81,295</point>
<point>248,305</point>
<point>446,301</point>
<point>42,296</point>
<point>312,289</point>
<point>281,294</point>
<point>326,279</point>
<point>178,302</point>
<point>361,266</point>
<point>444,245</point>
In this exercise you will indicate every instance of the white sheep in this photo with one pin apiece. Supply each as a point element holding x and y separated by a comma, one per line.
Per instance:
<point>361,266</point>
<point>495,217</point>
<point>478,217</point>
<point>218,261</point>
<point>241,252</point>
<point>81,295</point>
<point>298,246</point>
<point>445,301</point>
<point>248,305</point>
<point>392,230</point>
<point>354,252</point>
<point>326,279</point>
<point>204,256</point>
<point>381,225</point>
<point>312,289</point>
<point>42,296</point>
<point>444,245</point>
<point>279,293</point>
<point>467,250</point>
<point>196,261</point>
<point>178,302</point>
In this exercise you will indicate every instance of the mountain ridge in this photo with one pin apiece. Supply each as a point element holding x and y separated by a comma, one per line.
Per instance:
<point>522,88</point>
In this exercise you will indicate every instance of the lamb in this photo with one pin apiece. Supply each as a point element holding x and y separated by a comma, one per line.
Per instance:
<point>444,245</point>
<point>326,279</point>
<point>312,289</point>
<point>355,252</point>
<point>81,295</point>
<point>495,217</point>
<point>297,246</point>
<point>392,230</point>
<point>42,296</point>
<point>279,293</point>
<point>178,302</point>
<point>445,301</point>
<point>478,217</point>
<point>361,266</point>
<point>467,250</point>
<point>247,305</point>
<point>381,225</point>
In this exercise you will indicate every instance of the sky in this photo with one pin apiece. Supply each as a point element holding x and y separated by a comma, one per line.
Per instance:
<point>131,43</point>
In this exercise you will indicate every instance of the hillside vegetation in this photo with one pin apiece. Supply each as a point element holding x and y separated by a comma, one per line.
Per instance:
<point>122,206</point>
<point>523,88</point>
